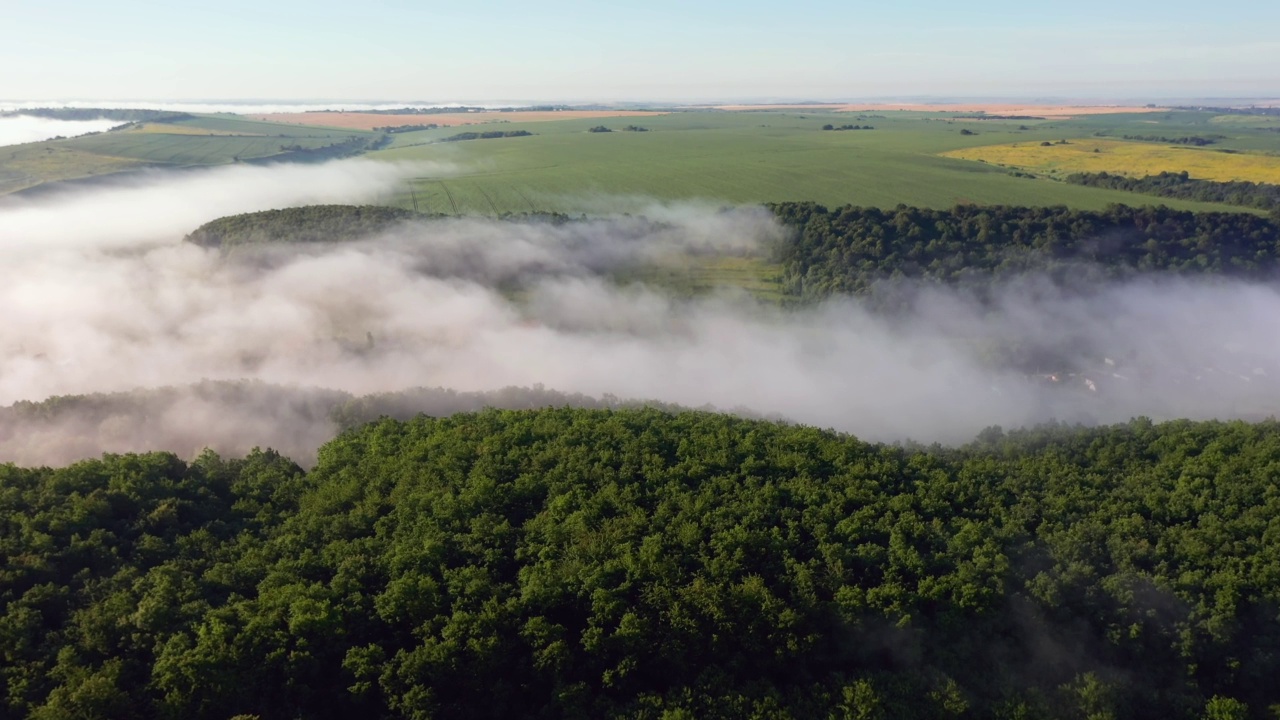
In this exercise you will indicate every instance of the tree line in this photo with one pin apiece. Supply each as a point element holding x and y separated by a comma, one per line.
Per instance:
<point>1181,185</point>
<point>1194,140</point>
<point>854,250</point>
<point>486,135</point>
<point>642,564</point>
<point>308,224</point>
<point>406,128</point>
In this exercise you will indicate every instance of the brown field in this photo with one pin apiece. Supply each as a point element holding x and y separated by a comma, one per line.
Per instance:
<point>1055,112</point>
<point>369,121</point>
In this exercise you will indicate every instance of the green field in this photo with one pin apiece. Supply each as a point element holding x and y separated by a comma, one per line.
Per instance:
<point>742,157</point>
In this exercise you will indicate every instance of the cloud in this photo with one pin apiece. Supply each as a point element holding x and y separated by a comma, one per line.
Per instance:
<point>162,206</point>
<point>19,129</point>
<point>99,294</point>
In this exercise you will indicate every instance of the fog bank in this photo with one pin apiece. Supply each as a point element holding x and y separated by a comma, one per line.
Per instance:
<point>100,294</point>
<point>160,207</point>
<point>19,129</point>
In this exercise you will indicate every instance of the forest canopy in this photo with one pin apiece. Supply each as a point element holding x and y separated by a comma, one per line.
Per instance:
<point>644,564</point>
<point>849,250</point>
<point>308,224</point>
<point>1181,185</point>
<point>852,250</point>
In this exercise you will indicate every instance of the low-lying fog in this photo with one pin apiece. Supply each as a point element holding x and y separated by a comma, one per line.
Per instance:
<point>19,129</point>
<point>98,293</point>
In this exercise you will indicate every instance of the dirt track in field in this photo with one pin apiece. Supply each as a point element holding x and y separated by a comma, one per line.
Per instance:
<point>369,121</point>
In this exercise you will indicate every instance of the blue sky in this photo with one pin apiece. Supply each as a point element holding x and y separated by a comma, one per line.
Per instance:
<point>650,50</point>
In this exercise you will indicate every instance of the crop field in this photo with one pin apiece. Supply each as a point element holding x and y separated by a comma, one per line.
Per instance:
<point>916,157</point>
<point>743,157</point>
<point>205,140</point>
<point>192,150</point>
<point>1127,158</point>
<point>24,166</point>
<point>369,121</point>
<point>177,129</point>
<point>1246,121</point>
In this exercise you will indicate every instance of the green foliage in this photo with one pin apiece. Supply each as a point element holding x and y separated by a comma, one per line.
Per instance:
<point>638,563</point>
<point>1263,196</point>
<point>108,560</point>
<point>849,250</point>
<point>486,135</point>
<point>1195,140</point>
<point>307,224</point>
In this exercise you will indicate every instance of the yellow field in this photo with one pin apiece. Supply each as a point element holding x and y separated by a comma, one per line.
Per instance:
<point>1126,158</point>
<point>170,129</point>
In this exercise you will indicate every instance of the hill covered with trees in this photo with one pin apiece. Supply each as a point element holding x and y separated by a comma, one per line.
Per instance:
<point>638,563</point>
<point>308,224</point>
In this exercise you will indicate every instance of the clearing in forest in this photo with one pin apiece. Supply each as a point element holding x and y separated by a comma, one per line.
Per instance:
<point>1135,159</point>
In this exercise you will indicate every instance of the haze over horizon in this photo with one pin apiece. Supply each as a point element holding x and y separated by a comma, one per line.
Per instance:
<point>666,51</point>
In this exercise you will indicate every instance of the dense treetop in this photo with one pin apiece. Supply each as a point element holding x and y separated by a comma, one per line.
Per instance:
<point>637,563</point>
<point>486,135</point>
<point>848,250</point>
<point>312,223</point>
<point>853,250</point>
<point>1181,185</point>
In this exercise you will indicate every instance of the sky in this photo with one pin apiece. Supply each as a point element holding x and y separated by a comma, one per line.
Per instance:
<point>560,50</point>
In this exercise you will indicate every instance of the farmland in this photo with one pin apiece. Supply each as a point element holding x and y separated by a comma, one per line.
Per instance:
<point>189,142</point>
<point>920,157</point>
<point>23,166</point>
<point>756,156</point>
<point>369,121</point>
<point>1127,158</point>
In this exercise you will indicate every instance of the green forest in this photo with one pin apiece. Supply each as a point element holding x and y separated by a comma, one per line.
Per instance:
<point>854,250</point>
<point>308,224</point>
<point>849,250</point>
<point>638,563</point>
<point>1263,196</point>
